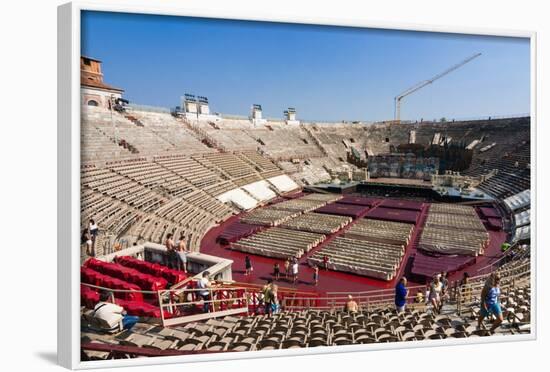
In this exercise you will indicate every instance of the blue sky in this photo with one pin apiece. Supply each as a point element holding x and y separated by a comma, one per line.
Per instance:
<point>327,73</point>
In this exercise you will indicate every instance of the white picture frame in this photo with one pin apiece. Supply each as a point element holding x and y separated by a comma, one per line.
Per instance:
<point>69,180</point>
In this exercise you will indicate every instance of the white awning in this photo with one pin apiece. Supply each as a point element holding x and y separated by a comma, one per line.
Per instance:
<point>519,200</point>
<point>283,183</point>
<point>238,197</point>
<point>523,218</point>
<point>260,190</point>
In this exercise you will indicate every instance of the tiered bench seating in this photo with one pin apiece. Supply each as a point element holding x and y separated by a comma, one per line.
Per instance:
<point>279,243</point>
<point>316,222</point>
<point>121,188</point>
<point>265,166</point>
<point>231,166</point>
<point>381,231</point>
<point>152,175</point>
<point>269,216</point>
<point>298,205</point>
<point>457,221</point>
<point>453,209</point>
<point>171,130</point>
<point>362,257</point>
<point>195,173</point>
<point>329,198</point>
<point>109,214</point>
<point>453,229</point>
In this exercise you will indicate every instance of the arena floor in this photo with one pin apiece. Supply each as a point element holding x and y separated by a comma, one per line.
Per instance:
<point>333,281</point>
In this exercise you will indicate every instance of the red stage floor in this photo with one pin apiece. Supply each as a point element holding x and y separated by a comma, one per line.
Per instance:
<point>332,281</point>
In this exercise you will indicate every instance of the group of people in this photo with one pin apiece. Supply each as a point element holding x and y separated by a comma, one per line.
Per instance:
<point>291,269</point>
<point>437,292</point>
<point>89,237</point>
<point>269,299</point>
<point>176,257</point>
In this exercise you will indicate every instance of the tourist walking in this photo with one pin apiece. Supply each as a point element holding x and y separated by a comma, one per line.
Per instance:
<point>315,275</point>
<point>490,304</point>
<point>276,271</point>
<point>401,292</point>
<point>247,266</point>
<point>287,268</point>
<point>435,294</point>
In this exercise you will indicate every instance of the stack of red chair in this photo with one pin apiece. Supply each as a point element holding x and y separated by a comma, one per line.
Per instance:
<point>90,276</point>
<point>170,275</point>
<point>142,309</point>
<point>142,280</point>
<point>88,296</point>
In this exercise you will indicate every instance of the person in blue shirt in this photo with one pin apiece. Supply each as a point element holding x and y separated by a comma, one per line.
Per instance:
<point>401,292</point>
<point>491,305</point>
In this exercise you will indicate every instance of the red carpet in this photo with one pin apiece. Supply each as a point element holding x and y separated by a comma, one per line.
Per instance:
<point>332,281</point>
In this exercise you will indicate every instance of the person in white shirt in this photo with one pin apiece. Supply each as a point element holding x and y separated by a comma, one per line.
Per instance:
<point>204,284</point>
<point>434,296</point>
<point>113,314</point>
<point>94,229</point>
<point>295,271</point>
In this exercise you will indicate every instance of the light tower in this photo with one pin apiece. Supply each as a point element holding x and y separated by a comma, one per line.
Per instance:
<point>290,116</point>
<point>256,115</point>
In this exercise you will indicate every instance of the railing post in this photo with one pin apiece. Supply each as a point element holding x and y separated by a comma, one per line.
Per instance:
<point>161,307</point>
<point>458,301</point>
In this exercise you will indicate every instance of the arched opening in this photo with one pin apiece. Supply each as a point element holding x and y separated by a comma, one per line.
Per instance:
<point>92,103</point>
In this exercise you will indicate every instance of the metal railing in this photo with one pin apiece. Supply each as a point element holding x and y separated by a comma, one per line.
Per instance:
<point>383,298</point>
<point>219,302</point>
<point>183,305</point>
<point>469,295</point>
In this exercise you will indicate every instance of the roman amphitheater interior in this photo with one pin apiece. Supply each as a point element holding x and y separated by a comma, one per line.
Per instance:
<point>367,203</point>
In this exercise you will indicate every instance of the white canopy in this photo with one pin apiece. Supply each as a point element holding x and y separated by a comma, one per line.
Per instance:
<point>260,190</point>
<point>238,197</point>
<point>523,233</point>
<point>523,218</point>
<point>283,183</point>
<point>519,200</point>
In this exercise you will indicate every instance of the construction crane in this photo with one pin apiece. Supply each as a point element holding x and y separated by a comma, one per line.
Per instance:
<point>422,84</point>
